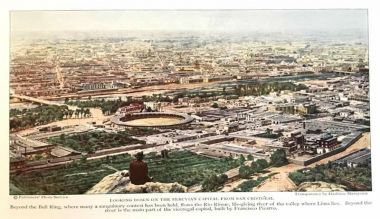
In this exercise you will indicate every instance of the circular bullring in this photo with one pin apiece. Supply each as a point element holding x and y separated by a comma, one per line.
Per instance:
<point>152,119</point>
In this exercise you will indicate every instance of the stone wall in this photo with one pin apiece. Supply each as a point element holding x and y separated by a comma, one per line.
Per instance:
<point>344,146</point>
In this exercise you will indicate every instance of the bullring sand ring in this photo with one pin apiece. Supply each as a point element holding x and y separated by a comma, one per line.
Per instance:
<point>151,119</point>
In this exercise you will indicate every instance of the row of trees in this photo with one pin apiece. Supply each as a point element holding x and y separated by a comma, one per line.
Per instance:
<point>248,185</point>
<point>277,159</point>
<point>81,113</point>
<point>157,98</point>
<point>254,88</point>
<point>21,119</point>
<point>108,106</point>
<point>256,166</point>
<point>264,88</point>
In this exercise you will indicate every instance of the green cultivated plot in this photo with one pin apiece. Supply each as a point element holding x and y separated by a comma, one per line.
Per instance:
<point>92,141</point>
<point>74,178</point>
<point>187,168</point>
<point>183,167</point>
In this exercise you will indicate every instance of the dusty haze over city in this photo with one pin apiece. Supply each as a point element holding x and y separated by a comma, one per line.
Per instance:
<point>217,100</point>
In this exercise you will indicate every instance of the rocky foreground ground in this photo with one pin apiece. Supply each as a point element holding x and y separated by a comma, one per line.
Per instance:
<point>119,182</point>
<point>320,187</point>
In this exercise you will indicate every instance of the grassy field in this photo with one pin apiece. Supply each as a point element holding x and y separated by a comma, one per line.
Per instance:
<point>76,178</point>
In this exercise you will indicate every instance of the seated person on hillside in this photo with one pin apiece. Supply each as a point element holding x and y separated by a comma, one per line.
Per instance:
<point>138,170</point>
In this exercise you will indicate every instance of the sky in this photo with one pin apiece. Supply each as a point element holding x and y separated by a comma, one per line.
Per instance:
<point>193,20</point>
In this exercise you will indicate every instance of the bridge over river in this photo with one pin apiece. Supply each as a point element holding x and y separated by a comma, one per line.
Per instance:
<point>41,101</point>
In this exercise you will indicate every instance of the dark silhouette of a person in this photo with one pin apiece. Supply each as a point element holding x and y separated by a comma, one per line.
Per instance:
<point>138,170</point>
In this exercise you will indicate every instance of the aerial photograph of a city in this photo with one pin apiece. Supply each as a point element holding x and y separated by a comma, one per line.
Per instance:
<point>174,101</point>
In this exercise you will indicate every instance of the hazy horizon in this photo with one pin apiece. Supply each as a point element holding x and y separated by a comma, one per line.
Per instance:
<point>299,21</point>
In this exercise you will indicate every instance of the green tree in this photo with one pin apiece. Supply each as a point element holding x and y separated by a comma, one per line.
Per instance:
<point>241,159</point>
<point>297,177</point>
<point>254,167</point>
<point>210,184</point>
<point>214,182</point>
<point>249,157</point>
<point>278,158</point>
<point>222,179</point>
<point>262,164</point>
<point>245,171</point>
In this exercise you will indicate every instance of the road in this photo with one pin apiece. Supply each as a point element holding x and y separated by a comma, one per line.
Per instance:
<point>280,181</point>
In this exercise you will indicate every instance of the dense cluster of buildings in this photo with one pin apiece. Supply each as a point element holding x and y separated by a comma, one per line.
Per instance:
<point>61,66</point>
<point>311,123</point>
